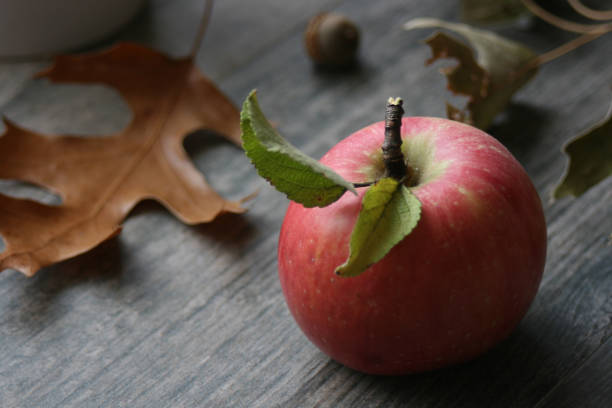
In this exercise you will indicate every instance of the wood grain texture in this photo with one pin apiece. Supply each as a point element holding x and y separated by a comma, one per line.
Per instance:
<point>172,315</point>
<point>587,386</point>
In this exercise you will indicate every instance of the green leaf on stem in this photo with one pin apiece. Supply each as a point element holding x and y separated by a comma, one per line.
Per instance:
<point>590,159</point>
<point>301,178</point>
<point>389,212</point>
<point>489,79</point>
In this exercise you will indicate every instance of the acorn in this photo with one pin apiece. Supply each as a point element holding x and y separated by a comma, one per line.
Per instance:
<point>332,40</point>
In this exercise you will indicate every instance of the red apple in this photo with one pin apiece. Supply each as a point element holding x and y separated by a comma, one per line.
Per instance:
<point>454,287</point>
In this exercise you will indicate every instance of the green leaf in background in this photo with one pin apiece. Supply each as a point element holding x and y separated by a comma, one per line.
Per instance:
<point>389,212</point>
<point>590,159</point>
<point>490,79</point>
<point>484,12</point>
<point>301,178</point>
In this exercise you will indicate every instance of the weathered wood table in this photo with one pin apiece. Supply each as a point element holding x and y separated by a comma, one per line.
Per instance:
<point>169,315</point>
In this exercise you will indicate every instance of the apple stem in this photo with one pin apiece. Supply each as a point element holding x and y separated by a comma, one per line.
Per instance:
<point>392,146</point>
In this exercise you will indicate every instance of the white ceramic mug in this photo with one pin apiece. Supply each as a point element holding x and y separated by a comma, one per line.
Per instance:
<point>30,28</point>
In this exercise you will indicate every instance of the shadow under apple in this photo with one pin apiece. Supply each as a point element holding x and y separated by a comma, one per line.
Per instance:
<point>519,127</point>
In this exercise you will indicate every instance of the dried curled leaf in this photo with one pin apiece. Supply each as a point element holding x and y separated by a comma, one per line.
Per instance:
<point>101,179</point>
<point>501,67</point>
<point>590,159</point>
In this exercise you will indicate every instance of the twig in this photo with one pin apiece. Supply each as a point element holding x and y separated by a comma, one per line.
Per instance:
<point>554,54</point>
<point>563,49</point>
<point>208,5</point>
<point>589,12</point>
<point>593,32</point>
<point>566,24</point>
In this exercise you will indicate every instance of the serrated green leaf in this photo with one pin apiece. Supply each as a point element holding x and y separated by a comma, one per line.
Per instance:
<point>301,178</point>
<point>389,213</point>
<point>590,159</point>
<point>490,79</point>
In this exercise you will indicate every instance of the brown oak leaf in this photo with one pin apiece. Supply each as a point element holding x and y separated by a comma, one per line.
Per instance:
<point>101,179</point>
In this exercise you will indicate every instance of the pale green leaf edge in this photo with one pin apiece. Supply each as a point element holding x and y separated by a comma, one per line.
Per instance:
<point>487,12</point>
<point>390,211</point>
<point>301,178</point>
<point>488,45</point>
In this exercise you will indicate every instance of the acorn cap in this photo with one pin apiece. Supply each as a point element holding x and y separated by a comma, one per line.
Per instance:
<point>331,39</point>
